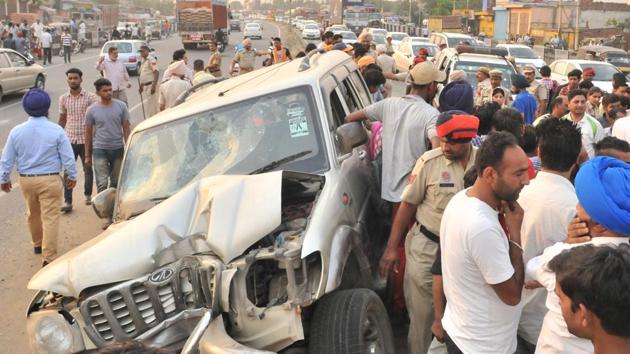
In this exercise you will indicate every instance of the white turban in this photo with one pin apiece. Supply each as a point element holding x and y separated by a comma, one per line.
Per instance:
<point>178,68</point>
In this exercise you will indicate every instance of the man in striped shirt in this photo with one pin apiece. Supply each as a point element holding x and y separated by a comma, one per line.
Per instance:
<point>66,42</point>
<point>72,108</point>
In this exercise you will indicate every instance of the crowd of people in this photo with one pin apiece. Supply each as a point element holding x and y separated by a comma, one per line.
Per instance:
<point>510,218</point>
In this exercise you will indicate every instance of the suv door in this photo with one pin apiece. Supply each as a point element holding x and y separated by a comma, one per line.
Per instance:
<point>8,80</point>
<point>20,70</point>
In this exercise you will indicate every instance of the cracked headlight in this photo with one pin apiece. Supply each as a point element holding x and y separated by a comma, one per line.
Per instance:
<point>51,333</point>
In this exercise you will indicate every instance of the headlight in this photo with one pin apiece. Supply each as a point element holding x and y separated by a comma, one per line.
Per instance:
<point>49,332</point>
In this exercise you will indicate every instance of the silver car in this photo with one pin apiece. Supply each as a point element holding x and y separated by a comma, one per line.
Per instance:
<point>17,73</point>
<point>127,52</point>
<point>247,220</point>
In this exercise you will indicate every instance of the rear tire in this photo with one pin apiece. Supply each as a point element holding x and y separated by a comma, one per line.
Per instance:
<point>351,322</point>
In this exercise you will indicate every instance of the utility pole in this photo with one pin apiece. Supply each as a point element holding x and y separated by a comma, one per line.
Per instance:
<point>577,26</point>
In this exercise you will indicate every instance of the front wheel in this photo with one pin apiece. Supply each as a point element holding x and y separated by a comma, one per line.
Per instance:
<point>351,321</point>
<point>40,82</point>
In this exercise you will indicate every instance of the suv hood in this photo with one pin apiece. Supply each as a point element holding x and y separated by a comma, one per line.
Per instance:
<point>233,212</point>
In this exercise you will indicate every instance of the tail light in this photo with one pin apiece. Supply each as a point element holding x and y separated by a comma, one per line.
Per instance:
<point>133,59</point>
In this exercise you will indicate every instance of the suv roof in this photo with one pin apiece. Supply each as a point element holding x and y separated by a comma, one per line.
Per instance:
<point>254,84</point>
<point>489,58</point>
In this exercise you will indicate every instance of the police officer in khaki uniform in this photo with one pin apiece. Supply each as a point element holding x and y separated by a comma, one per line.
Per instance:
<point>483,83</point>
<point>496,77</point>
<point>149,81</point>
<point>437,176</point>
<point>537,90</point>
<point>214,62</point>
<point>246,58</point>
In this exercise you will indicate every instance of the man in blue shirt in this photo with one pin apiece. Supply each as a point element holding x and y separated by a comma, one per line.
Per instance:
<point>40,149</point>
<point>524,101</point>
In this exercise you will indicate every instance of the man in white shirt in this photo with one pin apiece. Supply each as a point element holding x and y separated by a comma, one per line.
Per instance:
<point>82,31</point>
<point>37,28</point>
<point>602,210</point>
<point>592,130</point>
<point>114,70</point>
<point>46,42</point>
<point>621,129</point>
<point>175,86</point>
<point>482,260</point>
<point>408,126</point>
<point>549,204</point>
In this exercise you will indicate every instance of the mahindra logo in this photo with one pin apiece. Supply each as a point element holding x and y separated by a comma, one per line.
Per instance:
<point>161,275</point>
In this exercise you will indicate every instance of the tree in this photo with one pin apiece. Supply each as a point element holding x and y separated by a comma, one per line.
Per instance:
<point>620,24</point>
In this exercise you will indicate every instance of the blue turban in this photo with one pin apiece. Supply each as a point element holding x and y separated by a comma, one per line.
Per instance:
<point>36,103</point>
<point>603,189</point>
<point>457,95</point>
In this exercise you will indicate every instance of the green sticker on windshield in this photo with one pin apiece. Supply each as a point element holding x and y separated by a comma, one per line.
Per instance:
<point>298,124</point>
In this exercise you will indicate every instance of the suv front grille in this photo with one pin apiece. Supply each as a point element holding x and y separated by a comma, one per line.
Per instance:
<point>128,309</point>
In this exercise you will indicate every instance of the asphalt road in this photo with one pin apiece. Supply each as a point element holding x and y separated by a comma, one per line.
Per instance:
<point>16,254</point>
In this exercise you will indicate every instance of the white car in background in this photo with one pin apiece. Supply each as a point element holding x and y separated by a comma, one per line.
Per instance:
<point>311,31</point>
<point>523,55</point>
<point>397,37</point>
<point>375,31</point>
<point>337,28</point>
<point>348,37</point>
<point>603,71</point>
<point>408,49</point>
<point>252,30</point>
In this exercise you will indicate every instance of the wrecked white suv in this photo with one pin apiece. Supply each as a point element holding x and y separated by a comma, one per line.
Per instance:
<point>213,248</point>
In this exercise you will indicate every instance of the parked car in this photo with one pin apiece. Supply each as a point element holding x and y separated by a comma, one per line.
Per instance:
<point>408,49</point>
<point>253,30</point>
<point>615,56</point>
<point>374,31</point>
<point>127,52</point>
<point>348,37</point>
<point>451,39</point>
<point>603,71</point>
<point>235,25</point>
<point>397,37</point>
<point>214,249</point>
<point>17,73</point>
<point>523,55</point>
<point>378,39</point>
<point>470,59</point>
<point>311,31</point>
<point>337,28</point>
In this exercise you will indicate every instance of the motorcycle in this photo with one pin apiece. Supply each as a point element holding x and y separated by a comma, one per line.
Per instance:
<point>79,47</point>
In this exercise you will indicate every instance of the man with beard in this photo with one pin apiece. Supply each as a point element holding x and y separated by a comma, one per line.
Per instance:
<point>436,177</point>
<point>482,257</point>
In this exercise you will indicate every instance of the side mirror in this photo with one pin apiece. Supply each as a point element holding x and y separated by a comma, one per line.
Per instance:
<point>351,135</point>
<point>30,62</point>
<point>103,203</point>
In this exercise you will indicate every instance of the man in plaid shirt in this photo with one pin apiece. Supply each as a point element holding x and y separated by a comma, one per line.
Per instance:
<point>72,108</point>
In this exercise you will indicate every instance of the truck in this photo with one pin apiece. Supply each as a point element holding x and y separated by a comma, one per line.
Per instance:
<point>445,24</point>
<point>199,20</point>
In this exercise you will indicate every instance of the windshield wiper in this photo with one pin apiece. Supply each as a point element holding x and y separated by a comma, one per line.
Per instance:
<point>275,164</point>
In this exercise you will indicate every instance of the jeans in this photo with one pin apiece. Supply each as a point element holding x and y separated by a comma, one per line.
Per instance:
<point>48,55</point>
<point>79,150</point>
<point>67,50</point>
<point>106,167</point>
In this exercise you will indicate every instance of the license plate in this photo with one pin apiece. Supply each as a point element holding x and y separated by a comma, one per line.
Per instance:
<point>196,36</point>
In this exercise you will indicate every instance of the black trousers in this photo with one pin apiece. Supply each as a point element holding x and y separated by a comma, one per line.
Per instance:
<point>48,55</point>
<point>79,150</point>
<point>67,50</point>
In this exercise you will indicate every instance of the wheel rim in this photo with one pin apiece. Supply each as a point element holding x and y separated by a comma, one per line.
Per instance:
<point>372,336</point>
<point>40,84</point>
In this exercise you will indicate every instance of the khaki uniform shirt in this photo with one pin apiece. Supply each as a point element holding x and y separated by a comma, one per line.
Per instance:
<point>246,60</point>
<point>434,181</point>
<point>147,68</point>
<point>539,91</point>
<point>483,92</point>
<point>214,64</point>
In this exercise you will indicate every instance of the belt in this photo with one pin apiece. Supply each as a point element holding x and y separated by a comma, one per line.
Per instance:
<point>215,70</point>
<point>39,174</point>
<point>147,83</point>
<point>430,235</point>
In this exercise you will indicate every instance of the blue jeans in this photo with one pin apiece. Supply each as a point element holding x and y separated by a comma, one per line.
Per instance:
<point>106,167</point>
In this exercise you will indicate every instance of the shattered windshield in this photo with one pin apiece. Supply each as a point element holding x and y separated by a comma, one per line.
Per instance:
<point>236,139</point>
